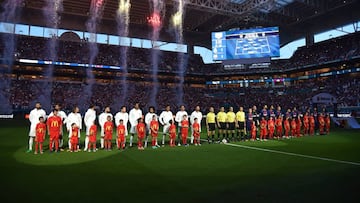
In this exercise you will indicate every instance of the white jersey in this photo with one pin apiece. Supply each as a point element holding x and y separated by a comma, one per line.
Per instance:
<point>134,115</point>
<point>62,115</point>
<point>148,118</point>
<point>34,116</point>
<point>73,118</point>
<point>89,117</point>
<point>103,118</point>
<point>121,116</point>
<point>179,116</point>
<point>165,117</point>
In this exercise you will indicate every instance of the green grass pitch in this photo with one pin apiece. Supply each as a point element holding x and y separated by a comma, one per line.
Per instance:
<point>209,173</point>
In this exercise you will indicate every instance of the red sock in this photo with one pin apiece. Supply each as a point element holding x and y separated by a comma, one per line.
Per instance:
<point>56,144</point>
<point>50,144</point>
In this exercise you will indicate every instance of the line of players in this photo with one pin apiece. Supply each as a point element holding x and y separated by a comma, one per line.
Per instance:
<point>268,124</point>
<point>143,127</point>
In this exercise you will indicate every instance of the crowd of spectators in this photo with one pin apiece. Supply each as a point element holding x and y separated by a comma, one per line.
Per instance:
<point>25,92</point>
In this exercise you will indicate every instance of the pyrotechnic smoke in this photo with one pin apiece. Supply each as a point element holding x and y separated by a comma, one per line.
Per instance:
<point>96,10</point>
<point>11,11</point>
<point>123,19</point>
<point>157,8</point>
<point>177,23</point>
<point>51,12</point>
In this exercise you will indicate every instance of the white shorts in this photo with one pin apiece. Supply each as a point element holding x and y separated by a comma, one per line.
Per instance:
<point>32,132</point>
<point>133,129</point>
<point>166,128</point>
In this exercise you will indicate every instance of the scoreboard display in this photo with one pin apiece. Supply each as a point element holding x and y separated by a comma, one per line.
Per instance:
<point>246,44</point>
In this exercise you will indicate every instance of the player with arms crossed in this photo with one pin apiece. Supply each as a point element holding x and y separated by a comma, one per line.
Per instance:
<point>89,120</point>
<point>134,116</point>
<point>103,117</point>
<point>179,118</point>
<point>34,116</point>
<point>92,138</point>
<point>154,130</point>
<point>140,130</point>
<point>196,132</point>
<point>121,130</point>
<point>108,131</point>
<point>195,114</point>
<point>124,116</point>
<point>164,119</point>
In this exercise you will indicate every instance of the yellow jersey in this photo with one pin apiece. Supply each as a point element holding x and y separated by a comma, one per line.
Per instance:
<point>240,116</point>
<point>230,117</point>
<point>221,117</point>
<point>210,117</point>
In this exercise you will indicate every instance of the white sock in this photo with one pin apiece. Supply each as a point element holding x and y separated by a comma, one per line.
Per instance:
<point>156,143</point>
<point>102,142</point>
<point>86,142</point>
<point>69,143</point>
<point>31,142</point>
<point>163,140</point>
<point>192,139</point>
<point>61,143</point>
<point>131,140</point>
<point>146,141</point>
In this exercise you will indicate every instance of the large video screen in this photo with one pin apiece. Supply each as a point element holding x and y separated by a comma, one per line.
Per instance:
<point>246,44</point>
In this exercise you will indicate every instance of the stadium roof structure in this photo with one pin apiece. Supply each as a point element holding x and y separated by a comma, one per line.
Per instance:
<point>296,18</point>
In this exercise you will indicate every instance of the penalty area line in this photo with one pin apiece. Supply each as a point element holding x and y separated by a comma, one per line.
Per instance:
<point>293,154</point>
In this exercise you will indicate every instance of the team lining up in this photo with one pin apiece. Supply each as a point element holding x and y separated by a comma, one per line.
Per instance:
<point>269,124</point>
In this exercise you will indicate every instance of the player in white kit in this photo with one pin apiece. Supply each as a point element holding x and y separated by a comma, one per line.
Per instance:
<point>122,115</point>
<point>89,120</point>
<point>195,114</point>
<point>73,117</point>
<point>164,119</point>
<point>178,118</point>
<point>34,116</point>
<point>134,115</point>
<point>148,118</point>
<point>102,119</point>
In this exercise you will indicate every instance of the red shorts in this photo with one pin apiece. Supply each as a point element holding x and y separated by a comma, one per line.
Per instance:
<point>141,136</point>
<point>74,140</point>
<point>40,138</point>
<point>184,135</point>
<point>92,138</point>
<point>108,137</point>
<point>172,136</point>
<point>154,135</point>
<point>121,139</point>
<point>54,136</point>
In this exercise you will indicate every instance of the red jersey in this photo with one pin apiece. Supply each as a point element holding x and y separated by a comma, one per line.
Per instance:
<point>74,132</point>
<point>321,121</point>
<point>312,121</point>
<point>140,130</point>
<point>196,127</point>
<point>121,131</point>
<point>293,124</point>
<point>40,132</point>
<point>184,128</point>
<point>278,123</point>
<point>327,121</point>
<point>263,124</point>
<point>54,124</point>
<point>271,124</point>
<point>298,123</point>
<point>306,120</point>
<point>154,128</point>
<point>92,134</point>
<point>287,124</point>
<point>108,128</point>
<point>172,131</point>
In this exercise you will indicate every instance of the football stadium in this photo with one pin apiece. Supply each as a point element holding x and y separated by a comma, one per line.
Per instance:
<point>180,100</point>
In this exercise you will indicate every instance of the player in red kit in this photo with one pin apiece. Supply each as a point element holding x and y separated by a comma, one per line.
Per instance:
<point>121,135</point>
<point>140,129</point>
<point>54,124</point>
<point>321,124</point>
<point>327,123</point>
<point>108,131</point>
<point>311,124</point>
<point>92,137</point>
<point>298,126</point>
<point>293,127</point>
<point>184,130</point>
<point>263,129</point>
<point>279,127</point>
<point>74,139</point>
<point>154,130</point>
<point>271,127</point>
<point>172,133</point>
<point>40,135</point>
<point>287,127</point>
<point>306,123</point>
<point>253,131</point>
<point>196,132</point>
